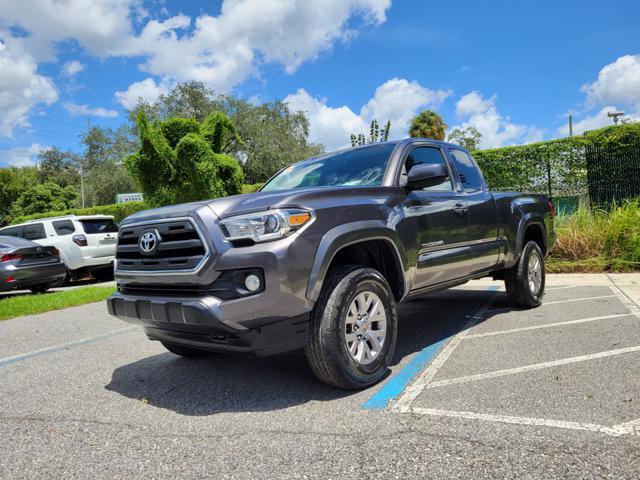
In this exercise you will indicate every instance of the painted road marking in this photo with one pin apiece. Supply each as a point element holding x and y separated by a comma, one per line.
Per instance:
<point>535,366</point>
<point>555,302</point>
<point>419,385</point>
<point>4,362</point>
<point>399,381</point>
<point>629,428</point>
<point>547,325</point>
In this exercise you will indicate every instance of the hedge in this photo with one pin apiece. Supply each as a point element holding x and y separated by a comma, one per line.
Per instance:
<point>556,165</point>
<point>118,210</point>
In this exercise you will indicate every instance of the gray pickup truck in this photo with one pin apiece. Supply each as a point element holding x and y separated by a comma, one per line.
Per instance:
<point>319,258</point>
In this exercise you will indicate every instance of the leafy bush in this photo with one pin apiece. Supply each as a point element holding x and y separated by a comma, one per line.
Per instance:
<point>251,187</point>
<point>598,239</point>
<point>118,210</point>
<point>181,160</point>
<point>42,198</point>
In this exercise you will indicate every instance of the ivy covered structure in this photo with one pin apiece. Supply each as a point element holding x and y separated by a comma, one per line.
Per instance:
<point>601,166</point>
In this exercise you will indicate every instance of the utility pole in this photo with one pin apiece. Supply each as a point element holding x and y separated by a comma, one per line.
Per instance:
<point>82,185</point>
<point>571,125</point>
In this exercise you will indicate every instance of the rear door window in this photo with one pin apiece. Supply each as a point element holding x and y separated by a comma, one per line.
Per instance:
<point>64,227</point>
<point>469,172</point>
<point>33,231</point>
<point>11,232</point>
<point>99,226</point>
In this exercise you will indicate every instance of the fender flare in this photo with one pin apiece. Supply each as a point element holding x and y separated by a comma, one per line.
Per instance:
<point>347,234</point>
<point>526,221</point>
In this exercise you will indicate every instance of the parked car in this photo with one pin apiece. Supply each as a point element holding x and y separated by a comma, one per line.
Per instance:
<point>27,265</point>
<point>320,257</point>
<point>87,243</point>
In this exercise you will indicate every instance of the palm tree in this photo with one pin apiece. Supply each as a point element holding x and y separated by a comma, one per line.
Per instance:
<point>428,124</point>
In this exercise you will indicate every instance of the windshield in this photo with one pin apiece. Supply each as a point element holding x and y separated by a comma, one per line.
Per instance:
<point>358,167</point>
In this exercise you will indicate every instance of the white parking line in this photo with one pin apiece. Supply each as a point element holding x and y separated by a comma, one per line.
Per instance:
<point>547,325</point>
<point>411,393</point>
<point>629,428</point>
<point>535,366</point>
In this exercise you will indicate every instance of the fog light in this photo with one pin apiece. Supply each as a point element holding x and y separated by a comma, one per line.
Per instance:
<point>252,282</point>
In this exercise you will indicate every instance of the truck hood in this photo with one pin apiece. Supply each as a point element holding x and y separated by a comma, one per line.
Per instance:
<point>325,197</point>
<point>313,198</point>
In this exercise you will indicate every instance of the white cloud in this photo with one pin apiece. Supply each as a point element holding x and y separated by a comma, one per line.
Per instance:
<point>397,100</point>
<point>221,50</point>
<point>146,89</point>
<point>21,90</point>
<point>22,156</point>
<point>617,83</point>
<point>76,109</point>
<point>72,68</point>
<point>497,130</point>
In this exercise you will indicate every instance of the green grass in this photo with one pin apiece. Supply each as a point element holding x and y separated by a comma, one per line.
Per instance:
<point>596,240</point>
<point>30,304</point>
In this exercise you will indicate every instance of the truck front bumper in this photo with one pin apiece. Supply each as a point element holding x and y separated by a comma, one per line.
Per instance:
<point>200,323</point>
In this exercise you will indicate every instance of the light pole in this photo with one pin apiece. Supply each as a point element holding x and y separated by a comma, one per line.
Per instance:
<point>81,181</point>
<point>615,116</point>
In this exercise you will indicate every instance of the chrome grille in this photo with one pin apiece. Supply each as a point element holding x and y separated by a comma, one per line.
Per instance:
<point>180,247</point>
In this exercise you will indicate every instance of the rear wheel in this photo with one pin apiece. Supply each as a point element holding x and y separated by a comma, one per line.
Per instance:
<point>183,351</point>
<point>525,281</point>
<point>103,275</point>
<point>353,328</point>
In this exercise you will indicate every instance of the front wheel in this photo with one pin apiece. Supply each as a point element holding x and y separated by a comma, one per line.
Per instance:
<point>526,279</point>
<point>353,328</point>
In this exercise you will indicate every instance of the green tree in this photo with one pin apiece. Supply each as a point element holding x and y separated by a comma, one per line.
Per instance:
<point>273,136</point>
<point>468,138</point>
<point>181,160</point>
<point>103,164</point>
<point>42,198</point>
<point>375,134</point>
<point>58,167</point>
<point>428,124</point>
<point>13,182</point>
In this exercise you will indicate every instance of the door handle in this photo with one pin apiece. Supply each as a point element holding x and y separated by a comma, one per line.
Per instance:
<point>461,208</point>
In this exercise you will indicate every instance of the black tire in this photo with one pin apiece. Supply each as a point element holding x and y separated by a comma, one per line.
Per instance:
<point>40,288</point>
<point>516,279</point>
<point>66,280</point>
<point>183,351</point>
<point>103,275</point>
<point>326,348</point>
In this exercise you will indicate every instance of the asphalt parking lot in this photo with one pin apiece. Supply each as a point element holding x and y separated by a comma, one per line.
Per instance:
<point>477,389</point>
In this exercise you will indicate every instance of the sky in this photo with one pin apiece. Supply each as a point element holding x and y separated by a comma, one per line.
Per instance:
<point>514,70</point>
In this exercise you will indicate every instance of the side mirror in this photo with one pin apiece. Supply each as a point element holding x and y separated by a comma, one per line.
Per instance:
<point>425,175</point>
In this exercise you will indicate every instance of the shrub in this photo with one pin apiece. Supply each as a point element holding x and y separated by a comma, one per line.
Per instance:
<point>181,160</point>
<point>598,240</point>
<point>251,187</point>
<point>118,210</point>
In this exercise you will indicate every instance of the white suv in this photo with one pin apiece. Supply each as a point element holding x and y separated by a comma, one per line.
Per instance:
<point>87,243</point>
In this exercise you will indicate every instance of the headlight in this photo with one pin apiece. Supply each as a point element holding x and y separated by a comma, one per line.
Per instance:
<point>265,226</point>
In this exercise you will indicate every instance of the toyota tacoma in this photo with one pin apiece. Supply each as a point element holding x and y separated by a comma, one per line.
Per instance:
<point>322,254</point>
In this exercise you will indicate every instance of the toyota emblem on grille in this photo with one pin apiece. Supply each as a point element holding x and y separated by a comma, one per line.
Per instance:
<point>148,243</point>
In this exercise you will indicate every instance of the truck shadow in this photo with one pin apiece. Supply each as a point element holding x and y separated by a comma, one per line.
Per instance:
<point>247,384</point>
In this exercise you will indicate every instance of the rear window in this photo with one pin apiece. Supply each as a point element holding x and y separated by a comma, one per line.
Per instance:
<point>99,226</point>
<point>64,227</point>
<point>34,231</point>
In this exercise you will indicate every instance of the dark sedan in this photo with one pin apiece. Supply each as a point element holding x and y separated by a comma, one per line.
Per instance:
<point>27,265</point>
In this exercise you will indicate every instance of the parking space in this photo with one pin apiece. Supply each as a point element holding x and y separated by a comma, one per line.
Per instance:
<point>476,389</point>
<point>572,363</point>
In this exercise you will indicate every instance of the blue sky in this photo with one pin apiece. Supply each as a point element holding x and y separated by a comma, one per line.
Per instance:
<point>514,70</point>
